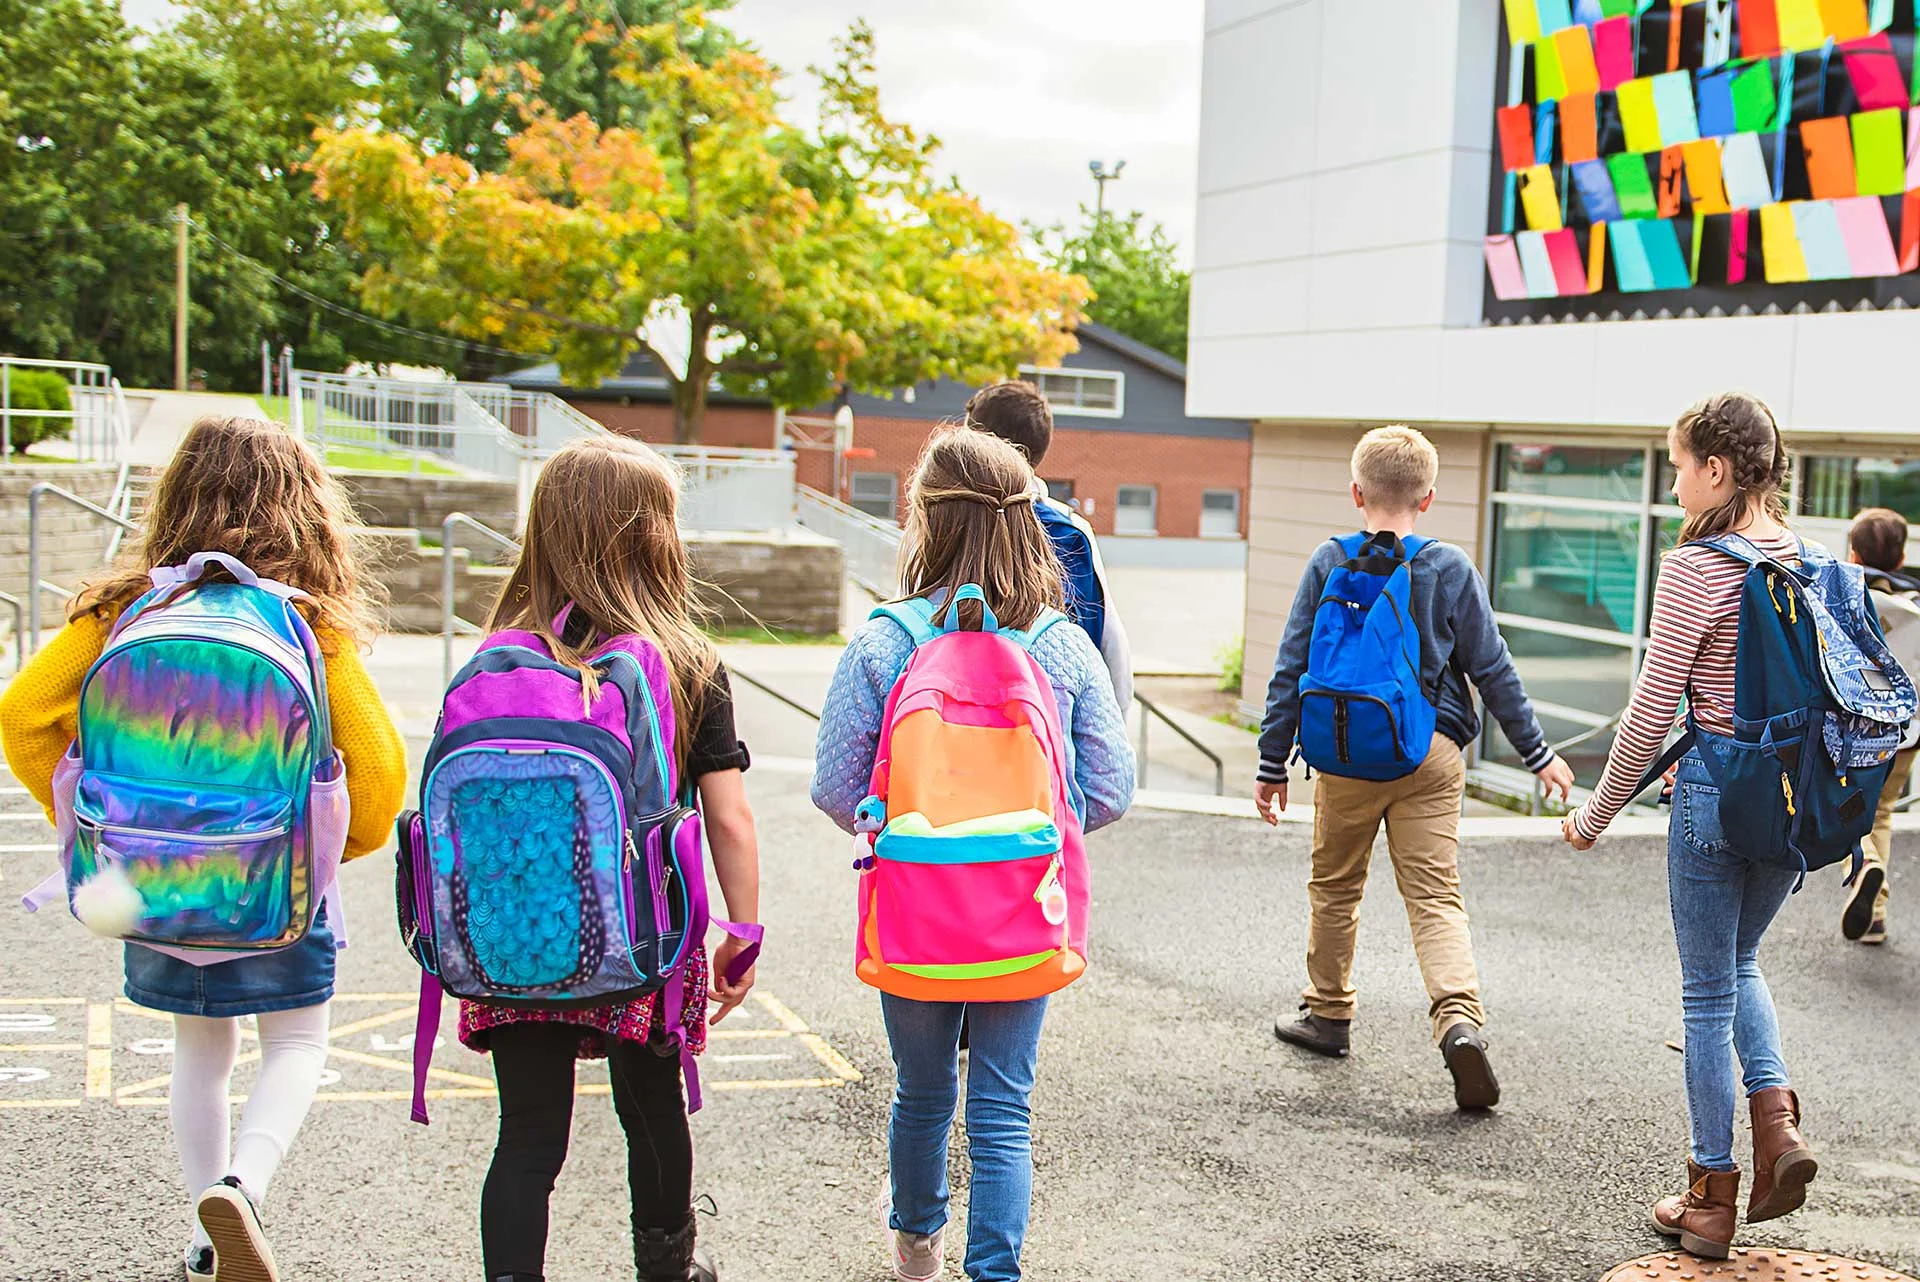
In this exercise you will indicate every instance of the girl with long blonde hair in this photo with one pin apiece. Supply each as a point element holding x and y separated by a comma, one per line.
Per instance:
<point>602,559</point>
<point>254,492</point>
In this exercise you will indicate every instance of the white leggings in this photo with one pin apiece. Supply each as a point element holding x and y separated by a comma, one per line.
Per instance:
<point>293,1050</point>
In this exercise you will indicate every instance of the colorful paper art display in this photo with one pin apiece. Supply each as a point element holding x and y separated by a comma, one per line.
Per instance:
<point>1650,146</point>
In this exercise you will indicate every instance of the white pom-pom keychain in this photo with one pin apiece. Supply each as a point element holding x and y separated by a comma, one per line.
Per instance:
<point>107,903</point>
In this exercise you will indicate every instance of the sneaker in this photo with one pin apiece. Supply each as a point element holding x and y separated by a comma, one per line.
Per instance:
<point>1465,1050</point>
<point>239,1243</point>
<point>1316,1033</point>
<point>917,1257</point>
<point>199,1265</point>
<point>1876,932</point>
<point>1856,919</point>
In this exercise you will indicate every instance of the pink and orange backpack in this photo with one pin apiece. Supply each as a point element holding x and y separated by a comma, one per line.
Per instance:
<point>973,863</point>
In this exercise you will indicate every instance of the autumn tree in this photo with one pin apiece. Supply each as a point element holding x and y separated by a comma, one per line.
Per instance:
<point>1133,267</point>
<point>742,250</point>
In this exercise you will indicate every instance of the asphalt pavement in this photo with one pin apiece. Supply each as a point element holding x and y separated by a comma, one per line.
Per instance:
<point>1174,1138</point>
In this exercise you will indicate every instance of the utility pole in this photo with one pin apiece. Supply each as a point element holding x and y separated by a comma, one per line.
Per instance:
<point>180,297</point>
<point>1101,177</point>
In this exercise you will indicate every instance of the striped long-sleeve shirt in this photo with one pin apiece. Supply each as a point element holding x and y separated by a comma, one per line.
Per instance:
<point>1690,653</point>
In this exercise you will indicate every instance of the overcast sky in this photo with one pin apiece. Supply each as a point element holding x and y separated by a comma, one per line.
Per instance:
<point>1023,95</point>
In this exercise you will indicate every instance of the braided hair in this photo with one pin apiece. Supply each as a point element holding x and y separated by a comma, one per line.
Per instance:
<point>1742,430</point>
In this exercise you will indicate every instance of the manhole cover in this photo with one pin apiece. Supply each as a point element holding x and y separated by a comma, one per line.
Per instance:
<point>1757,1265</point>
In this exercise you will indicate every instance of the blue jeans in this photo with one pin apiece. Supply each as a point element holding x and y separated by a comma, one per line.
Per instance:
<point>1722,905</point>
<point>1004,1042</point>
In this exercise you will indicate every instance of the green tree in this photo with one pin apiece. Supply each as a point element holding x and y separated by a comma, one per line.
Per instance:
<point>743,251</point>
<point>1139,287</point>
<point>103,136</point>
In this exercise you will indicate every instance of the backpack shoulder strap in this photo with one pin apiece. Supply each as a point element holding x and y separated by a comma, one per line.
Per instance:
<point>1025,638</point>
<point>914,615</point>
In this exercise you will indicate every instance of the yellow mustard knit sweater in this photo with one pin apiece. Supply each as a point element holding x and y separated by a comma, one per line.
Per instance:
<point>40,715</point>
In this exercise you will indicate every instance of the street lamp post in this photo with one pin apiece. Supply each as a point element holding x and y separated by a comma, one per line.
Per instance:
<point>1101,177</point>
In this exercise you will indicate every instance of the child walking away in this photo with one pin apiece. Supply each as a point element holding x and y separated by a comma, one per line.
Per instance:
<point>553,879</point>
<point>1878,542</point>
<point>209,747</point>
<point>1779,771</point>
<point>1017,413</point>
<point>1371,684</point>
<point>969,741</point>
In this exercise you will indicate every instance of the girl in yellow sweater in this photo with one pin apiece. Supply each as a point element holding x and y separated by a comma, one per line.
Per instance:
<point>253,491</point>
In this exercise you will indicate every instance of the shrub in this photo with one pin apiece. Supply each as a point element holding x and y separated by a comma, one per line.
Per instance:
<point>1232,658</point>
<point>36,389</point>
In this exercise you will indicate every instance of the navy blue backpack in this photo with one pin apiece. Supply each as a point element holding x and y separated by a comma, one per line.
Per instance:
<point>1819,708</point>
<point>1086,603</point>
<point>1364,711</point>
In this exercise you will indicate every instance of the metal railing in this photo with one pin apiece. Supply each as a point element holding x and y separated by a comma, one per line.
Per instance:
<point>1149,708</point>
<point>458,521</point>
<point>723,489</point>
<point>1536,794</point>
<point>36,585</point>
<point>18,610</point>
<point>871,546</point>
<point>96,417</point>
<point>801,708</point>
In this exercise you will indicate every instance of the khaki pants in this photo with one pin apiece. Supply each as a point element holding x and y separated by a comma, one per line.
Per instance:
<point>1877,846</point>
<point>1422,814</point>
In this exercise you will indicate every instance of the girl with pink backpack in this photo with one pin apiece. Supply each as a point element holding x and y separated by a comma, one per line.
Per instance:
<point>970,740</point>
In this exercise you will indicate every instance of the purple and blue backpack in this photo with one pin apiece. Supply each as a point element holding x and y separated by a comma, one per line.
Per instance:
<point>556,860</point>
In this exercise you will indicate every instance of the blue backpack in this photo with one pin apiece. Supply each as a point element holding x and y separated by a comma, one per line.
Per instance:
<point>1364,711</point>
<point>1086,603</point>
<point>1819,708</point>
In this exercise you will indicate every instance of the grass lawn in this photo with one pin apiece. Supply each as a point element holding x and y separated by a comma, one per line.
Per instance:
<point>354,458</point>
<point>771,636</point>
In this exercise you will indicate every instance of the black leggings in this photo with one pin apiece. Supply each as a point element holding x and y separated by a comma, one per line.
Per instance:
<point>533,1065</point>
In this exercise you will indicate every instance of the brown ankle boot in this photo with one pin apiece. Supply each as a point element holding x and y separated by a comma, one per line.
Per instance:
<point>1702,1217</point>
<point>1783,1165</point>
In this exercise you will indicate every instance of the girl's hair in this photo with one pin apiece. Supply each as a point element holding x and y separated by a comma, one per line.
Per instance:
<point>972,521</point>
<point>254,490</point>
<point>601,537</point>
<point>1740,429</point>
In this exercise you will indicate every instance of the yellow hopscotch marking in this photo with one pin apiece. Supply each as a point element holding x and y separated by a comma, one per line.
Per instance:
<point>43,1046</point>
<point>100,1050</point>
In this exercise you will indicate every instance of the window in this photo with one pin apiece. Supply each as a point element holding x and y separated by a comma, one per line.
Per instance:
<point>1838,487</point>
<point>1220,514</point>
<point>1573,471</point>
<point>1061,490</point>
<point>1566,565</point>
<point>1094,393</point>
<point>1136,510</point>
<point>874,493</point>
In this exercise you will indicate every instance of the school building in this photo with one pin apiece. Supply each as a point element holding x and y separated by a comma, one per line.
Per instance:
<point>1126,451</point>
<point>1431,211</point>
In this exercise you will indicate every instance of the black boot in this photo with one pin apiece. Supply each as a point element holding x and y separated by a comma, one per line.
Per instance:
<point>1316,1033</point>
<point>663,1255</point>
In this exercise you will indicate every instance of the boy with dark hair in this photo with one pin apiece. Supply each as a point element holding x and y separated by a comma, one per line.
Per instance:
<point>1367,776</point>
<point>1878,542</point>
<point>1018,414</point>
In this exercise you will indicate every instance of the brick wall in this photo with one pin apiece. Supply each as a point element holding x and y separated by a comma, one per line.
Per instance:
<point>72,542</point>
<point>1097,463</point>
<point>732,426</point>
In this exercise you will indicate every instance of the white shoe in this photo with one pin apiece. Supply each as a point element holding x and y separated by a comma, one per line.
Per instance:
<point>239,1243</point>
<point>917,1257</point>
<point>198,1265</point>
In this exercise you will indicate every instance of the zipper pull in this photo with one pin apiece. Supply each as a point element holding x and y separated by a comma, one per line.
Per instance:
<point>1786,789</point>
<point>1051,895</point>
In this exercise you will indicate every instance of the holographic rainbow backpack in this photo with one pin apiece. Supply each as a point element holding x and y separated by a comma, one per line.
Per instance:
<point>973,882</point>
<point>202,810</point>
<point>556,860</point>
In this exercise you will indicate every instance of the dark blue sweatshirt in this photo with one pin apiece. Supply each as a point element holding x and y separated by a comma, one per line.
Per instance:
<point>1457,631</point>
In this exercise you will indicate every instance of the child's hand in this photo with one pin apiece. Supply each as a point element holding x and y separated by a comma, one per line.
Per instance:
<point>728,995</point>
<point>1571,833</point>
<point>1556,774</point>
<point>1270,799</point>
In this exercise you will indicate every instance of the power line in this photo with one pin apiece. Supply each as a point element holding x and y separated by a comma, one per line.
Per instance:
<point>351,313</point>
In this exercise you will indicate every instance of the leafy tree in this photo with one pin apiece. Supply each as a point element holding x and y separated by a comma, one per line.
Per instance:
<point>102,137</point>
<point>742,250</point>
<point>1139,287</point>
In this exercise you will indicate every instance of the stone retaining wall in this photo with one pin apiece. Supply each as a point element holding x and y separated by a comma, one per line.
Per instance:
<point>404,501</point>
<point>72,542</point>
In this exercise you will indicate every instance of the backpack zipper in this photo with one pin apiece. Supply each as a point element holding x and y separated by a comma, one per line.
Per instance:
<point>1786,790</point>
<point>1340,716</point>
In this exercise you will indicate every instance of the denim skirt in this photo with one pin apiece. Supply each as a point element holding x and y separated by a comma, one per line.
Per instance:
<point>287,979</point>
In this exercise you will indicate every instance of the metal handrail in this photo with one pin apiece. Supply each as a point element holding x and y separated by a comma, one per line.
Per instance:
<point>35,584</point>
<point>1149,706</point>
<point>13,603</point>
<point>1535,794</point>
<point>772,693</point>
<point>458,520</point>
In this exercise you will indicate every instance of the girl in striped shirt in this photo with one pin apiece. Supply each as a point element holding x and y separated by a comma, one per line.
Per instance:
<point>1729,464</point>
